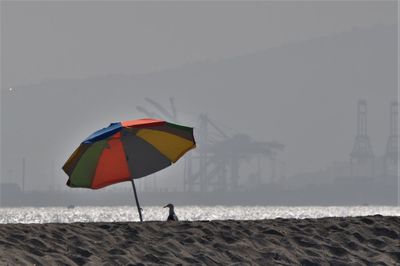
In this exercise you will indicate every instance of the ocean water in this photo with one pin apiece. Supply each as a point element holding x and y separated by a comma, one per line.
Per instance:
<point>188,213</point>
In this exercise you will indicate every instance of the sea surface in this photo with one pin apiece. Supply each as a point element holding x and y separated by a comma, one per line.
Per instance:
<point>188,213</point>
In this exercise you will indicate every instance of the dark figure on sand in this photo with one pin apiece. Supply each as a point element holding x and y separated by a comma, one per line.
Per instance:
<point>172,216</point>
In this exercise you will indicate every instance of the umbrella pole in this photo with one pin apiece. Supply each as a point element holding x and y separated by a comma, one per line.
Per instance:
<point>137,201</point>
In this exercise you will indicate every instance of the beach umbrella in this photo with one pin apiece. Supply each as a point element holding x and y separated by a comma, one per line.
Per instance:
<point>126,151</point>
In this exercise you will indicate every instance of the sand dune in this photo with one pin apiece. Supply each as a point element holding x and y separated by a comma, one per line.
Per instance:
<point>370,240</point>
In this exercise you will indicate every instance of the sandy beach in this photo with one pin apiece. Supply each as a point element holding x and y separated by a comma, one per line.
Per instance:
<point>369,240</point>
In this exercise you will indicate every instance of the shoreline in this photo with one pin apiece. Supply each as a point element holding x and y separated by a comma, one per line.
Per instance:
<point>185,213</point>
<point>335,240</point>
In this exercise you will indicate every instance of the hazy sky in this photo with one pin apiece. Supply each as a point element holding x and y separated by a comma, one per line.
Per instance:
<point>71,39</point>
<point>303,93</point>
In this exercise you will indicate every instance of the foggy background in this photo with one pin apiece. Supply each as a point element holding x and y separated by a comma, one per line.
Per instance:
<point>285,72</point>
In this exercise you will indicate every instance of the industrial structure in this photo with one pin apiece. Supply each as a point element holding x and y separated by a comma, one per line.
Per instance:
<point>362,160</point>
<point>219,162</point>
<point>362,157</point>
<point>215,164</point>
<point>391,157</point>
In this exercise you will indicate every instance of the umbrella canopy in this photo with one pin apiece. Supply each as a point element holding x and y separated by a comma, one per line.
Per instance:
<point>127,150</point>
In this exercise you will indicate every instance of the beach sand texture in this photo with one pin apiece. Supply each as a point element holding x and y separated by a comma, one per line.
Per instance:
<point>370,240</point>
